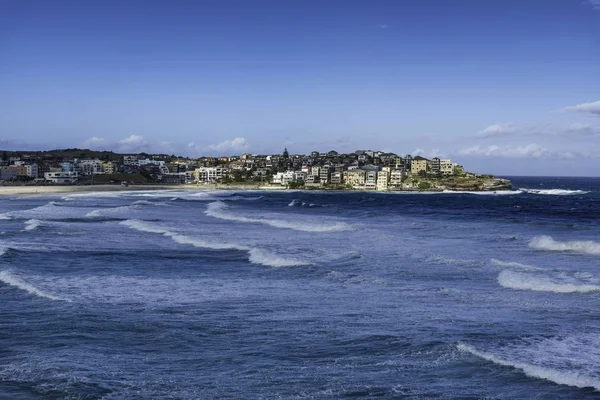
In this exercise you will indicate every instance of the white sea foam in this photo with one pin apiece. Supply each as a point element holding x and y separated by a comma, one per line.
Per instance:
<point>511,264</point>
<point>554,192</point>
<point>93,214</point>
<point>144,226</point>
<point>32,224</point>
<point>50,210</point>
<point>255,255</point>
<point>258,256</point>
<point>561,377</point>
<point>15,281</point>
<point>3,249</point>
<point>150,203</point>
<point>218,209</point>
<point>104,212</point>
<point>486,193</point>
<point>577,246</point>
<point>542,283</point>
<point>4,217</point>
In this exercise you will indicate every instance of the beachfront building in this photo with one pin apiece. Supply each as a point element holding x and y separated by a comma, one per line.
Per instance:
<point>176,178</point>
<point>107,167</point>
<point>419,164</point>
<point>131,161</point>
<point>382,180</point>
<point>61,177</point>
<point>434,165</point>
<point>355,177</point>
<point>88,167</point>
<point>312,179</point>
<point>284,178</point>
<point>337,178</point>
<point>210,174</point>
<point>446,167</point>
<point>325,175</point>
<point>396,178</point>
<point>32,170</point>
<point>371,180</point>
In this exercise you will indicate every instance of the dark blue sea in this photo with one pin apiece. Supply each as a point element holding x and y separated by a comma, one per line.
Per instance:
<point>302,295</point>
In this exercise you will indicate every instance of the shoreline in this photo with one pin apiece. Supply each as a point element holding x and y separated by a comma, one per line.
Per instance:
<point>48,189</point>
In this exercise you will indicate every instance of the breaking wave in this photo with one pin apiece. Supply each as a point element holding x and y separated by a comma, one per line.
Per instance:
<point>258,256</point>
<point>509,264</point>
<point>218,209</point>
<point>255,255</point>
<point>4,217</point>
<point>521,281</point>
<point>577,246</point>
<point>104,212</point>
<point>15,281</point>
<point>561,377</point>
<point>32,224</point>
<point>485,193</point>
<point>554,192</point>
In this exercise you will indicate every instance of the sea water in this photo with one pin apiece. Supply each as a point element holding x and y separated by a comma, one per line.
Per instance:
<point>302,295</point>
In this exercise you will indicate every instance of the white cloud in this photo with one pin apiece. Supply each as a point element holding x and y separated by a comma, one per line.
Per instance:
<point>95,143</point>
<point>428,153</point>
<point>529,151</point>
<point>594,3</point>
<point>134,140</point>
<point>236,144</point>
<point>133,144</point>
<point>496,130</point>
<point>582,130</point>
<point>588,108</point>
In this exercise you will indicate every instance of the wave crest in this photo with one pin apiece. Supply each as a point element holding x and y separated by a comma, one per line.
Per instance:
<point>569,378</point>
<point>578,246</point>
<point>554,192</point>
<point>32,225</point>
<point>255,255</point>
<point>521,281</point>
<point>219,210</point>
<point>15,281</point>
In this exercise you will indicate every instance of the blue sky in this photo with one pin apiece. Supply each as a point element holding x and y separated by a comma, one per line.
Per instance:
<point>506,87</point>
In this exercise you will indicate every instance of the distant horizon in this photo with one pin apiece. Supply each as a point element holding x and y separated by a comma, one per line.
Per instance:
<point>507,86</point>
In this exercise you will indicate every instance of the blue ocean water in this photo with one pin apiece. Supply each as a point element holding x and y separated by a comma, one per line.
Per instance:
<point>302,295</point>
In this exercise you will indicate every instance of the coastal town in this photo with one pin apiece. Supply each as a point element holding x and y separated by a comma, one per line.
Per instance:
<point>360,170</point>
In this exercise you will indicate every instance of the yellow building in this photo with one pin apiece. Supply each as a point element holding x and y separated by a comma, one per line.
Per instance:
<point>382,180</point>
<point>354,177</point>
<point>107,167</point>
<point>418,164</point>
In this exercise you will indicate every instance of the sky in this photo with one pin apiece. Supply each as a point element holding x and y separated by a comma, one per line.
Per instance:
<point>500,86</point>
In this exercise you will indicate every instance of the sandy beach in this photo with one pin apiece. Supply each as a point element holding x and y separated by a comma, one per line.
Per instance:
<point>41,190</point>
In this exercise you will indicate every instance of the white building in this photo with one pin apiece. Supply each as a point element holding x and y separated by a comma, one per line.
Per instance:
<point>161,164</point>
<point>61,177</point>
<point>284,178</point>
<point>32,170</point>
<point>446,167</point>
<point>396,179</point>
<point>88,167</point>
<point>211,174</point>
<point>371,180</point>
<point>131,160</point>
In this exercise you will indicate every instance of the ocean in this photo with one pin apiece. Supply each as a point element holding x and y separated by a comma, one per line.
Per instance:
<point>302,294</point>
